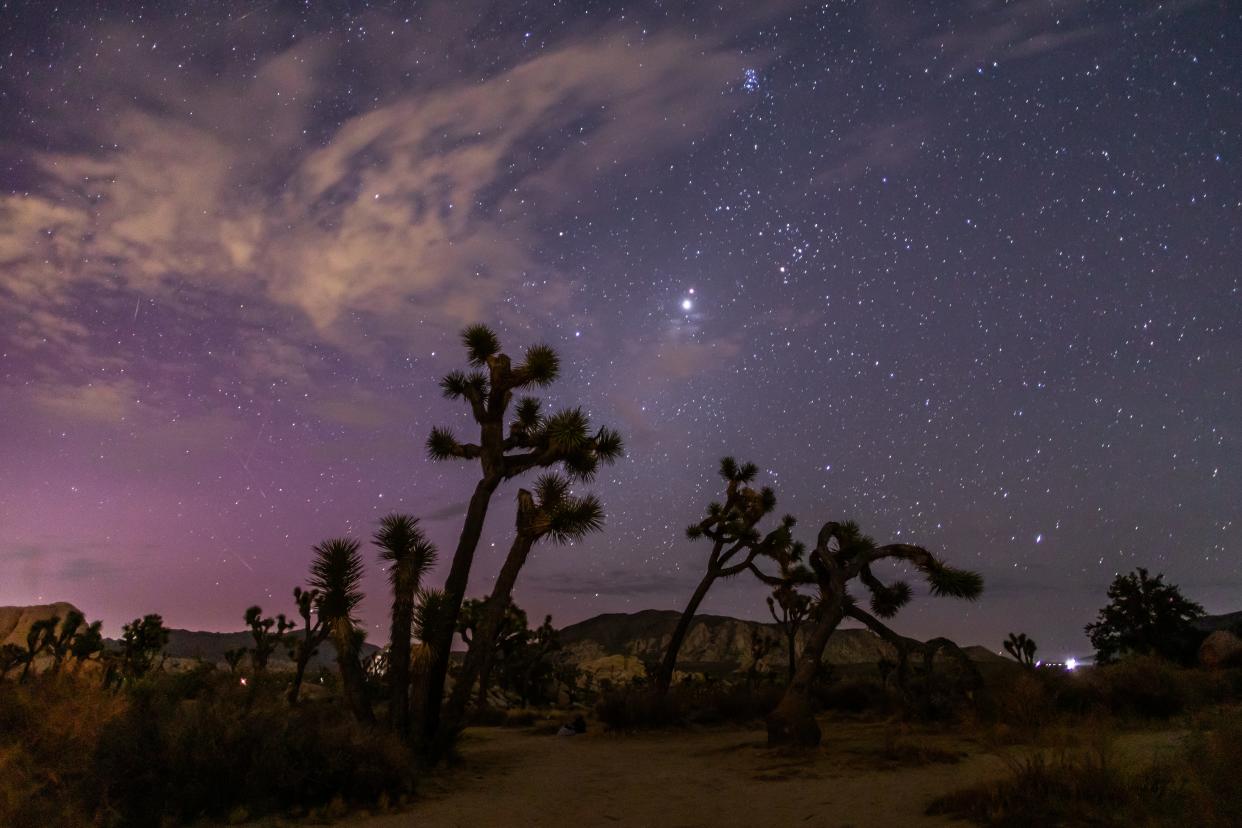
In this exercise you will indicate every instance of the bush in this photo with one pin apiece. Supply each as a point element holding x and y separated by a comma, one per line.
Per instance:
<point>1144,686</point>
<point>180,747</point>
<point>636,708</point>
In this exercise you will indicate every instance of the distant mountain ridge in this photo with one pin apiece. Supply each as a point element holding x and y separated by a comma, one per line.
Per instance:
<point>714,643</point>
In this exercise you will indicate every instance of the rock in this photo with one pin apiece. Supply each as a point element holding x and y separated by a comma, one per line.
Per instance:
<point>1220,649</point>
<point>15,621</point>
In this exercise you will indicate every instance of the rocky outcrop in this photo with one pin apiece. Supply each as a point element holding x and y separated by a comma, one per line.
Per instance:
<point>15,622</point>
<point>1221,649</point>
<point>620,643</point>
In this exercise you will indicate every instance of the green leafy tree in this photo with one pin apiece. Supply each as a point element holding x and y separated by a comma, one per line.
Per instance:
<point>843,554</point>
<point>532,441</point>
<point>1022,648</point>
<point>1145,616</point>
<point>268,634</point>
<point>302,648</point>
<point>409,556</point>
<point>730,526</point>
<point>336,572</point>
<point>551,512</point>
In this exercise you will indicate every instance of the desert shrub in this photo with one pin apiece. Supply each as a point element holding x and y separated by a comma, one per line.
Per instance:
<point>186,749</point>
<point>178,747</point>
<point>857,695</point>
<point>1144,686</point>
<point>1089,788</point>
<point>636,708</point>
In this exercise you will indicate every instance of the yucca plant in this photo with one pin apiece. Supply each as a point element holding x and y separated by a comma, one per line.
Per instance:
<point>336,572</point>
<point>551,512</point>
<point>532,441</point>
<point>736,544</point>
<point>1022,648</point>
<point>408,556</point>
<point>843,554</point>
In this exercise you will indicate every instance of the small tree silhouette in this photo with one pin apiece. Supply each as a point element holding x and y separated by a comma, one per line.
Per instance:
<point>265,640</point>
<point>38,638</point>
<point>1145,616</point>
<point>795,608</point>
<point>1021,648</point>
<point>142,642</point>
<point>735,546</point>
<point>843,554</point>
<point>409,556</point>
<point>302,648</point>
<point>11,655</point>
<point>551,512</point>
<point>234,657</point>
<point>336,572</point>
<point>533,441</point>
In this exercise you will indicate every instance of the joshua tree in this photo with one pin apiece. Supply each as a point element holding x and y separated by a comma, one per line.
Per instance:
<point>86,644</point>
<point>38,638</point>
<point>60,641</point>
<point>234,657</point>
<point>409,556</point>
<point>512,634</point>
<point>1021,648</point>
<point>11,655</point>
<point>265,641</point>
<point>142,641</point>
<point>735,545</point>
<point>842,554</point>
<point>336,572</point>
<point>795,607</point>
<point>1146,616</point>
<point>314,633</point>
<point>532,441</point>
<point>551,512</point>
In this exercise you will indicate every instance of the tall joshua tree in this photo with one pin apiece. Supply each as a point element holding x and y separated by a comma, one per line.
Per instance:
<point>551,512</point>
<point>314,633</point>
<point>843,554</point>
<point>532,441</point>
<point>1022,648</point>
<point>336,572</point>
<point>409,556</point>
<point>735,545</point>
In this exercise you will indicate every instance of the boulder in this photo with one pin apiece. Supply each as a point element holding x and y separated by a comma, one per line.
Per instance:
<point>1220,649</point>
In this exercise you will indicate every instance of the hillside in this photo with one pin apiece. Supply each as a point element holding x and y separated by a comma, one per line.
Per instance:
<point>619,643</point>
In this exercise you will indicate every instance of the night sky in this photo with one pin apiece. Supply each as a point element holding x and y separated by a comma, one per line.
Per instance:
<point>968,273</point>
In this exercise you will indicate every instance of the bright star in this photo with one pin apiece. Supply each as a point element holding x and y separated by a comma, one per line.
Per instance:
<point>686,304</point>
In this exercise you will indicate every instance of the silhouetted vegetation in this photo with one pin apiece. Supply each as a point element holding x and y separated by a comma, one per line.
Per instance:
<point>1145,616</point>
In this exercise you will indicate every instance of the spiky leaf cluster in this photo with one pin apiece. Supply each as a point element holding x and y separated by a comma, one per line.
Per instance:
<point>336,572</point>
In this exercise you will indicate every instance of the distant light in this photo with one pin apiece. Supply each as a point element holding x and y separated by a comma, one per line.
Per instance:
<point>243,682</point>
<point>1071,664</point>
<point>686,304</point>
<point>1039,663</point>
<point>1039,538</point>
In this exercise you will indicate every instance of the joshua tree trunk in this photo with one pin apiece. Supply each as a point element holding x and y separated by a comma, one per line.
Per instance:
<point>792,637</point>
<point>479,656</point>
<point>793,720</point>
<point>299,673</point>
<point>353,682</point>
<point>399,662</point>
<point>664,676</point>
<point>454,593</point>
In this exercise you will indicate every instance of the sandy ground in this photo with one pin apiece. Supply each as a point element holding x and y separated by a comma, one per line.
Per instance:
<point>697,778</point>
<point>862,777</point>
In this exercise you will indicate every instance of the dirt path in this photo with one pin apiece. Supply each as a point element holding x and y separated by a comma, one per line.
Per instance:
<point>702,778</point>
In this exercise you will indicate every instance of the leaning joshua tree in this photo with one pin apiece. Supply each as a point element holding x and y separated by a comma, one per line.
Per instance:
<point>337,573</point>
<point>552,512</point>
<point>730,526</point>
<point>409,556</point>
<point>532,441</point>
<point>843,554</point>
<point>1021,648</point>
